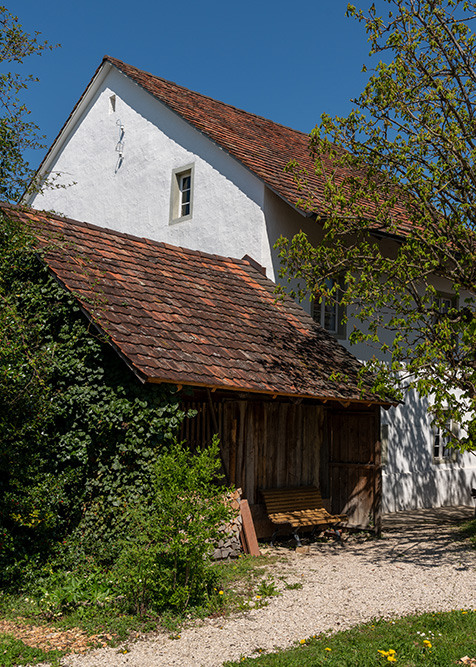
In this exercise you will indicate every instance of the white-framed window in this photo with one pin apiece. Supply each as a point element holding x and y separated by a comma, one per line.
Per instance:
<point>181,195</point>
<point>442,304</point>
<point>441,438</point>
<point>185,196</point>
<point>329,313</point>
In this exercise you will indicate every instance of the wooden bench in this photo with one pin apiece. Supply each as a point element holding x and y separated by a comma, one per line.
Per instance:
<point>301,507</point>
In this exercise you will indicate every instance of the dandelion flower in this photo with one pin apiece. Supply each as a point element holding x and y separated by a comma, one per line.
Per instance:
<point>426,643</point>
<point>302,641</point>
<point>391,658</point>
<point>220,592</point>
<point>327,649</point>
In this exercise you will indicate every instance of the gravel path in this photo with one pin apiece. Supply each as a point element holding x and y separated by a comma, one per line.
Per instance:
<point>418,565</point>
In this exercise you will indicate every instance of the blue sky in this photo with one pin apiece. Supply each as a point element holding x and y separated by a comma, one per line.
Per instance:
<point>286,61</point>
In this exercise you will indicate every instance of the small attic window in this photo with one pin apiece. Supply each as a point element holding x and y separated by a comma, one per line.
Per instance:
<point>181,196</point>
<point>112,104</point>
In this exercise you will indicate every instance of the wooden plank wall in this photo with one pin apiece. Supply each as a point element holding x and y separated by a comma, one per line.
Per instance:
<point>263,444</point>
<point>268,444</point>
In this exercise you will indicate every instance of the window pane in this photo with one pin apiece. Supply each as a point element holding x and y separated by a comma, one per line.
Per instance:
<point>330,316</point>
<point>185,194</point>
<point>185,209</point>
<point>327,312</point>
<point>436,444</point>
<point>445,305</point>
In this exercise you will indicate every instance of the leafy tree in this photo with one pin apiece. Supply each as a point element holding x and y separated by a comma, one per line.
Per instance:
<point>398,213</point>
<point>17,132</point>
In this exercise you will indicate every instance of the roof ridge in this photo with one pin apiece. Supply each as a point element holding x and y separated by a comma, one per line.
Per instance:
<point>118,62</point>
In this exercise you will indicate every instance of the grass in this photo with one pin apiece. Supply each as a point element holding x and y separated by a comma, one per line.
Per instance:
<point>91,619</point>
<point>246,583</point>
<point>243,584</point>
<point>13,652</point>
<point>432,640</point>
<point>468,530</point>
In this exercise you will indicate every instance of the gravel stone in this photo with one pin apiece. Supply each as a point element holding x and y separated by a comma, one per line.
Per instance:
<point>420,564</point>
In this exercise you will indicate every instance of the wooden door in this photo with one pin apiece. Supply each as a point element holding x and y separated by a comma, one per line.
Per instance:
<point>354,466</point>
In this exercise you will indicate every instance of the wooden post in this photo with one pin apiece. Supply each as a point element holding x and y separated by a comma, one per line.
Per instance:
<point>248,534</point>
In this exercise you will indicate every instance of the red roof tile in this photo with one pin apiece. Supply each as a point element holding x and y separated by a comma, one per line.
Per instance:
<point>261,145</point>
<point>186,317</point>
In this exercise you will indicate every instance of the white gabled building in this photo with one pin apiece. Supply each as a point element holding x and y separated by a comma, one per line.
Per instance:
<point>142,155</point>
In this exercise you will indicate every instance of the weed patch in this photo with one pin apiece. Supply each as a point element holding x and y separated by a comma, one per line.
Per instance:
<point>468,530</point>
<point>14,652</point>
<point>433,640</point>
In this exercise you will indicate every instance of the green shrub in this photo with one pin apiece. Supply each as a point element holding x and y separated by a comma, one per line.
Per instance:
<point>79,433</point>
<point>164,560</point>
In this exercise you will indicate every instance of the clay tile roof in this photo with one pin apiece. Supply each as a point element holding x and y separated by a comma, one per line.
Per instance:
<point>261,145</point>
<point>187,317</point>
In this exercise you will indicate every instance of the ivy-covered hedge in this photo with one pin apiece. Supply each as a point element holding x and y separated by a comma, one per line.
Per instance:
<point>79,433</point>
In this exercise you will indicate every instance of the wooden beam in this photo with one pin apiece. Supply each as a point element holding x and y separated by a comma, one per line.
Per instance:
<point>249,539</point>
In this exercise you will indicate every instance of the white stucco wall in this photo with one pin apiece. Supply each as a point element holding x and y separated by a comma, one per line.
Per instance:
<point>134,195</point>
<point>411,478</point>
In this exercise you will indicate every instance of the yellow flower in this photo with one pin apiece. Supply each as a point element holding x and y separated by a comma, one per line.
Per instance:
<point>327,649</point>
<point>426,643</point>
<point>391,658</point>
<point>383,652</point>
<point>220,592</point>
<point>302,641</point>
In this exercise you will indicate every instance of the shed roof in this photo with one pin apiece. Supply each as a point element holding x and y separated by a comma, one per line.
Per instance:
<point>191,318</point>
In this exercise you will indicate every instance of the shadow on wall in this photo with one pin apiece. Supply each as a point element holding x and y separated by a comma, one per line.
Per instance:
<point>411,478</point>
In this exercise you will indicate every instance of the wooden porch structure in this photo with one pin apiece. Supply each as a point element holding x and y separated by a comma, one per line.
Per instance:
<point>276,443</point>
